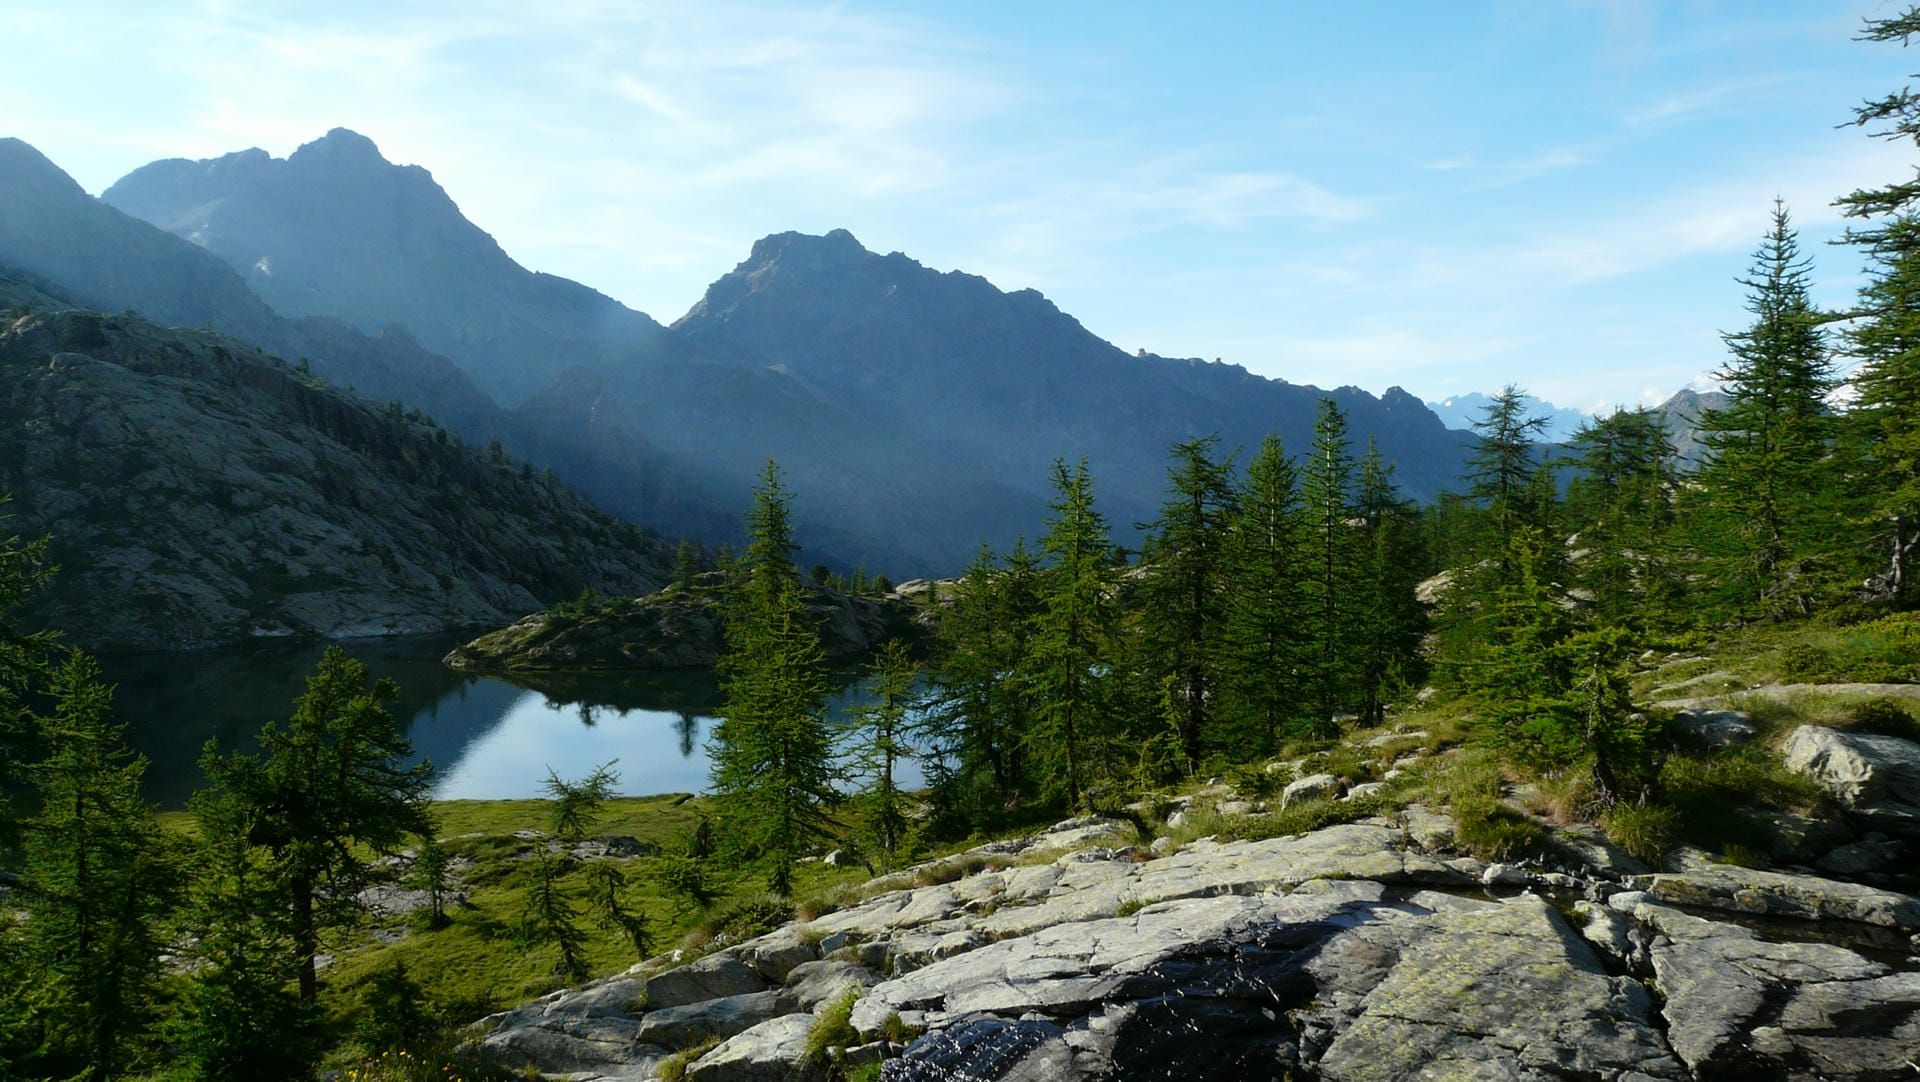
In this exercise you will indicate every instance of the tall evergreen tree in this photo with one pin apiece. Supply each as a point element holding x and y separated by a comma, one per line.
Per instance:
<point>1501,473</point>
<point>1326,492</point>
<point>1068,663</point>
<point>975,727</point>
<point>98,881</point>
<point>880,742</point>
<point>1766,513</point>
<point>24,664</point>
<point>772,768</point>
<point>1266,607</point>
<point>1388,619</point>
<point>1621,503</point>
<point>235,1020</point>
<point>1886,332</point>
<point>330,794</point>
<point>1184,588</point>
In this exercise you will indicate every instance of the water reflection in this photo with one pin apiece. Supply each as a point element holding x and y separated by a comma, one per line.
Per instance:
<point>490,738</point>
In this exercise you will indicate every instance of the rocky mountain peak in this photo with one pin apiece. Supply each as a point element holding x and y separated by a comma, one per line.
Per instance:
<point>24,169</point>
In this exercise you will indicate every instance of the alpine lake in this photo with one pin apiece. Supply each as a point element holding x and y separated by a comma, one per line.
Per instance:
<point>488,737</point>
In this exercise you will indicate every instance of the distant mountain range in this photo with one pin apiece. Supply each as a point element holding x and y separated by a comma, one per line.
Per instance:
<point>1462,410</point>
<point>917,412</point>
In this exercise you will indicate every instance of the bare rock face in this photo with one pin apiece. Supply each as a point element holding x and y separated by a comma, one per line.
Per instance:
<point>1876,777</point>
<point>199,492</point>
<point>1347,953</point>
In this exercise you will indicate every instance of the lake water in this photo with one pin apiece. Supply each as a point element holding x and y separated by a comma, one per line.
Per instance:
<point>488,738</point>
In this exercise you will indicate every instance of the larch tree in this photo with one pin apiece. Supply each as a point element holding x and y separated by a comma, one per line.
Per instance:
<point>1885,334</point>
<point>1331,548</point>
<point>331,793</point>
<point>1766,507</point>
<point>1184,588</point>
<point>1388,619</point>
<point>772,754</point>
<point>1266,608</point>
<point>1068,670</point>
<point>880,742</point>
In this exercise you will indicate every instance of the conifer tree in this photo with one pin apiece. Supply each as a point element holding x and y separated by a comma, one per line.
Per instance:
<point>1501,473</point>
<point>24,662</point>
<point>235,1018</point>
<point>98,880</point>
<point>1766,510</point>
<point>772,768</point>
<point>880,742</point>
<point>432,875</point>
<point>329,793</point>
<point>1388,619</point>
<point>1068,669</point>
<point>1183,589</point>
<point>1621,503</point>
<point>1521,671</point>
<point>549,917</point>
<point>1886,333</point>
<point>1263,641</point>
<point>974,728</point>
<point>1326,492</point>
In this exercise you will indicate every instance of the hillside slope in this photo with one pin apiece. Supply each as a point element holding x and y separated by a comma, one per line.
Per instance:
<point>199,491</point>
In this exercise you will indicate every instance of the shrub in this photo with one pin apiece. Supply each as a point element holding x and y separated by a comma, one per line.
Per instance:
<point>748,919</point>
<point>674,1067</point>
<point>1885,717</point>
<point>1647,831</point>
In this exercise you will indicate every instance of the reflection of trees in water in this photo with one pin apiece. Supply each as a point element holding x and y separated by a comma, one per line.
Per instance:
<point>688,728</point>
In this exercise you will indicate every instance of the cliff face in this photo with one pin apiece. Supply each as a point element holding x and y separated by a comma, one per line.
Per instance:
<point>200,492</point>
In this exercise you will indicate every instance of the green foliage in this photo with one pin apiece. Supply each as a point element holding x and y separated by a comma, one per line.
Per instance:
<point>1501,475</point>
<point>1766,499</point>
<point>1183,587</point>
<point>394,1011</point>
<point>550,918</point>
<point>1262,649</point>
<point>748,918</point>
<point>879,742</point>
<point>1621,504</point>
<point>327,793</point>
<point>431,873</point>
<point>1484,825</point>
<point>684,877</point>
<point>1331,585</point>
<point>1067,672</point>
<point>1648,831</point>
<point>1885,717</point>
<point>834,1030</point>
<point>772,755</point>
<point>98,879</point>
<point>576,804</point>
<point>674,1067</point>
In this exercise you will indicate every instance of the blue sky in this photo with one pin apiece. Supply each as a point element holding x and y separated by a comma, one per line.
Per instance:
<point>1442,196</point>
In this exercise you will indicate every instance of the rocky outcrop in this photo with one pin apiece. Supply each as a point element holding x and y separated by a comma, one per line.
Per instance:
<point>1363,951</point>
<point>1877,778</point>
<point>199,492</point>
<point>674,628</point>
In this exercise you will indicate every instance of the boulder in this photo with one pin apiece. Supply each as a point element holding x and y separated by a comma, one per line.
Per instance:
<point>1709,728</point>
<point>693,1023</point>
<point>1309,787</point>
<point>1697,881</point>
<point>1873,853</point>
<point>773,1051</point>
<point>712,977</point>
<point>1858,769</point>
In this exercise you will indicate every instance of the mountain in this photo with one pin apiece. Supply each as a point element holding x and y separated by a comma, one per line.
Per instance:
<point>917,413</point>
<point>1462,410</point>
<point>54,232</point>
<point>336,230</point>
<point>199,492</point>
<point>1682,416</point>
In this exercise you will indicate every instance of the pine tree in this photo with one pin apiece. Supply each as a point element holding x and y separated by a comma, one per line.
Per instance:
<point>1183,588</point>
<point>432,875</point>
<point>1388,619</point>
<point>574,806</point>
<point>1501,473</point>
<point>1886,332</point>
<point>24,667</point>
<point>686,566</point>
<point>1331,549</point>
<point>880,742</point>
<point>548,917</point>
<point>330,794</point>
<point>973,730</point>
<point>1068,666</point>
<point>1621,504</point>
<point>1522,672</point>
<point>98,880</point>
<point>1763,489</point>
<point>1262,669</point>
<point>772,754</point>
<point>235,1018</point>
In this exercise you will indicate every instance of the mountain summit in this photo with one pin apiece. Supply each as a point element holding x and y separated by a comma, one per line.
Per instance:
<point>336,230</point>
